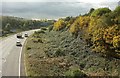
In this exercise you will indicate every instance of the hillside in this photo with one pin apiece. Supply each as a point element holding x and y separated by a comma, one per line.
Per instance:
<point>57,53</point>
<point>100,29</point>
<point>86,45</point>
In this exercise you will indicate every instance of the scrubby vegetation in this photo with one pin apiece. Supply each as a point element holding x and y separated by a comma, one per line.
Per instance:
<point>57,53</point>
<point>100,28</point>
<point>82,46</point>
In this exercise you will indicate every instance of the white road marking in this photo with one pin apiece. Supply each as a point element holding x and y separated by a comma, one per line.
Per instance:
<point>20,61</point>
<point>0,73</point>
<point>20,56</point>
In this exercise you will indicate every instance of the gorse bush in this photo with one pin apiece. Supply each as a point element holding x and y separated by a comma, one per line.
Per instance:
<point>59,25</point>
<point>63,23</point>
<point>74,29</point>
<point>116,41</point>
<point>79,24</point>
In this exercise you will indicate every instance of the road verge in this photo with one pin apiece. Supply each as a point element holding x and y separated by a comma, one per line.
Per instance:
<point>22,64</point>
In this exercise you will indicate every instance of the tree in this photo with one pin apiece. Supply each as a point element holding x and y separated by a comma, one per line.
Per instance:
<point>7,27</point>
<point>91,10</point>
<point>67,18</point>
<point>117,10</point>
<point>100,12</point>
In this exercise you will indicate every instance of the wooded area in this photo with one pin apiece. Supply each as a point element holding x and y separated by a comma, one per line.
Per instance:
<point>12,24</point>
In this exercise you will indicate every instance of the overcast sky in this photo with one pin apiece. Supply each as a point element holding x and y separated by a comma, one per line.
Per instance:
<point>86,1</point>
<point>52,9</point>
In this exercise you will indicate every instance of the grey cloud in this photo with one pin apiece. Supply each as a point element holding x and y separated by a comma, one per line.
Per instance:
<point>50,10</point>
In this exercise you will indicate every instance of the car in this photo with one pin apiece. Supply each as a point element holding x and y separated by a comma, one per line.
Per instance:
<point>19,35</point>
<point>26,34</point>
<point>18,43</point>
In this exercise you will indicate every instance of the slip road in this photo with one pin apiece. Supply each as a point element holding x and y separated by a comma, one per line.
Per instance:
<point>11,54</point>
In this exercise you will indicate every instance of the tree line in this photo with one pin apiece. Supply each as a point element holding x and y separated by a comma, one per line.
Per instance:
<point>11,24</point>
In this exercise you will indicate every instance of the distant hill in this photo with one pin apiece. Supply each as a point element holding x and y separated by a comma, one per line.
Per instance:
<point>12,24</point>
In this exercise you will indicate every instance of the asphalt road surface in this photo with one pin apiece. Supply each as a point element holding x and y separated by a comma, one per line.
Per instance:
<point>10,55</point>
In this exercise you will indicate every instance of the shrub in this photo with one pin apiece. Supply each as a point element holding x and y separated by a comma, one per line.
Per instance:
<point>28,48</point>
<point>36,40</point>
<point>41,31</point>
<point>40,40</point>
<point>59,52</point>
<point>43,28</point>
<point>74,73</point>
<point>50,28</point>
<point>117,10</point>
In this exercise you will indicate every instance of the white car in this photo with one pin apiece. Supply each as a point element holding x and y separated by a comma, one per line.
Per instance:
<point>18,43</point>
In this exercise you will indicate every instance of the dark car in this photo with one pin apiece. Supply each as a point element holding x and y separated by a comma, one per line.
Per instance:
<point>26,34</point>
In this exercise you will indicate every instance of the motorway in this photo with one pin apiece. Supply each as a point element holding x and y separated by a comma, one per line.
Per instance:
<point>11,55</point>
